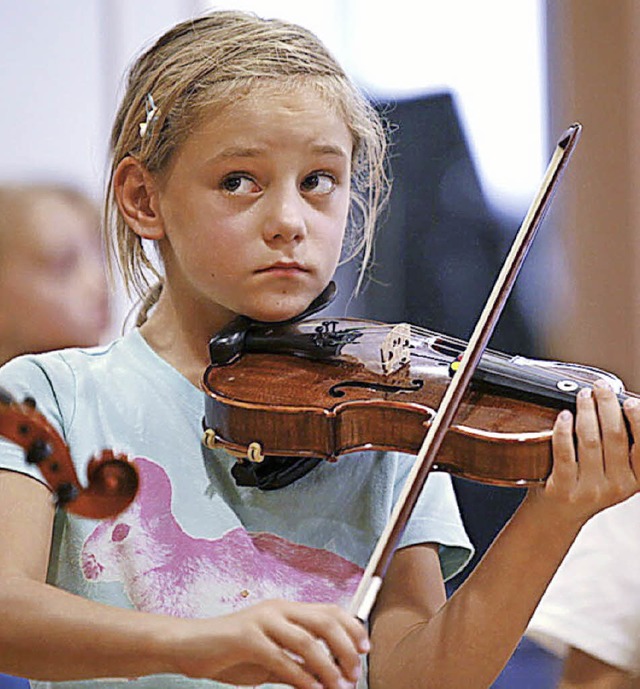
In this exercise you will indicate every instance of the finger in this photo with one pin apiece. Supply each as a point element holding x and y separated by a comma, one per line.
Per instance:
<point>344,636</point>
<point>565,467</point>
<point>615,441</point>
<point>283,666</point>
<point>309,652</point>
<point>355,628</point>
<point>632,412</point>
<point>590,450</point>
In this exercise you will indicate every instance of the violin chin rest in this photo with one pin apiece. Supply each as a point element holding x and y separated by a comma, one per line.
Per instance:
<point>273,472</point>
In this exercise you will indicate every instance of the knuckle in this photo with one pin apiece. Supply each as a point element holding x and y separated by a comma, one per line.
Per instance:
<point>327,624</point>
<point>590,441</point>
<point>335,610</point>
<point>621,489</point>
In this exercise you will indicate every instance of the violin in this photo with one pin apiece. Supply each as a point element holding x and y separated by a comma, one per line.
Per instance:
<point>349,385</point>
<point>112,478</point>
<point>321,389</point>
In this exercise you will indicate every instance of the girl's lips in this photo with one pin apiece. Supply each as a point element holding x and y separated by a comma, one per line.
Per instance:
<point>284,268</point>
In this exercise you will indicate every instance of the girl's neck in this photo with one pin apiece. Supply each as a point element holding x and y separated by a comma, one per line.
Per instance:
<point>181,336</point>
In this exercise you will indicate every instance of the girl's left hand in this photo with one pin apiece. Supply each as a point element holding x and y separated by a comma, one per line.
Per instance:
<point>595,462</point>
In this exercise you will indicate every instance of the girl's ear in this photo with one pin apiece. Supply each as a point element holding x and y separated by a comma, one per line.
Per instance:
<point>136,194</point>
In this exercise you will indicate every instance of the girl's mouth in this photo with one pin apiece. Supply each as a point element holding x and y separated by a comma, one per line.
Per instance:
<point>284,268</point>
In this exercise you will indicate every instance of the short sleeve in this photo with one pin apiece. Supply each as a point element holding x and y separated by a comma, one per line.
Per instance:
<point>436,518</point>
<point>21,378</point>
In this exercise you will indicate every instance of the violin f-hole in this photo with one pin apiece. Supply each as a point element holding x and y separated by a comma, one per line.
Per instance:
<point>337,391</point>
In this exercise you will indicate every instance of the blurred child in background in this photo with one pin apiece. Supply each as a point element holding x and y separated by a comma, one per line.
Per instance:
<point>52,280</point>
<point>53,288</point>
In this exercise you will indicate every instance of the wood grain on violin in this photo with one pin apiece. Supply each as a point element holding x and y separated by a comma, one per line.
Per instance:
<point>112,479</point>
<point>347,385</point>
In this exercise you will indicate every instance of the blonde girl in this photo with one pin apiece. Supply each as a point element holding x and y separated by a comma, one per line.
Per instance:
<point>242,155</point>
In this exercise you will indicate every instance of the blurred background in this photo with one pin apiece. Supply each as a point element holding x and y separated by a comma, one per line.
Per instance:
<point>478,94</point>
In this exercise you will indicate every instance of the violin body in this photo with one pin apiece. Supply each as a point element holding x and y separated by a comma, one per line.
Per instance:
<point>112,478</point>
<point>364,390</point>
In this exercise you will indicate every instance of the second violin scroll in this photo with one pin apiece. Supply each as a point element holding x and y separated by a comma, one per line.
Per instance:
<point>112,479</point>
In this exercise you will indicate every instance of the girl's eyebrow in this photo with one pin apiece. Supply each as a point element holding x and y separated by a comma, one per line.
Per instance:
<point>330,149</point>
<point>238,152</point>
<point>255,151</point>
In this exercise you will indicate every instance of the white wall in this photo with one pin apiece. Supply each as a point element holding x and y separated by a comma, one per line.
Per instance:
<point>60,69</point>
<point>51,99</point>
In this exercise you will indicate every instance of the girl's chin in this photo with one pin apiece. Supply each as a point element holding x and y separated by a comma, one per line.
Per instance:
<point>275,313</point>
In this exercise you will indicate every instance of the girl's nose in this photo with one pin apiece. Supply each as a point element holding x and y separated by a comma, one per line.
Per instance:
<point>285,220</point>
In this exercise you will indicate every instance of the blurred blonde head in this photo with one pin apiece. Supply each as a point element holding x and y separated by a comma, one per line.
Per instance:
<point>52,275</point>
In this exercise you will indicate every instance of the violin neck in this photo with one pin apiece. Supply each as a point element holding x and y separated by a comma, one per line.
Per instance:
<point>534,384</point>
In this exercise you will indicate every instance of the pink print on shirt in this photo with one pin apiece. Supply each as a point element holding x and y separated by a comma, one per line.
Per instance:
<point>165,570</point>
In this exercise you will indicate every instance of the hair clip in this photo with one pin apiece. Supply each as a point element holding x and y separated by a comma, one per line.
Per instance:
<point>152,111</point>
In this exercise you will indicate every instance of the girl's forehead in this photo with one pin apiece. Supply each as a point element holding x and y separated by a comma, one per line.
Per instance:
<point>276,98</point>
<point>262,115</point>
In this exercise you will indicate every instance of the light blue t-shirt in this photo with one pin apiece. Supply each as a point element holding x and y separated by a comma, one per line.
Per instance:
<point>193,543</point>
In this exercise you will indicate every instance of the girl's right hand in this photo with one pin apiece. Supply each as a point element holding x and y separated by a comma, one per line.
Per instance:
<point>305,645</point>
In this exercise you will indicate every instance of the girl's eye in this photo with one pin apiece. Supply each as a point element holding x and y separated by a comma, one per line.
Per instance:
<point>239,184</point>
<point>319,182</point>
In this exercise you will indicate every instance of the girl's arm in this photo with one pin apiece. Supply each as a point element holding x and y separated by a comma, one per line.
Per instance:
<point>469,639</point>
<point>47,633</point>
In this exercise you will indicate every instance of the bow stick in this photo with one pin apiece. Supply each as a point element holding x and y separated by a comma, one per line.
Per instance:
<point>367,591</point>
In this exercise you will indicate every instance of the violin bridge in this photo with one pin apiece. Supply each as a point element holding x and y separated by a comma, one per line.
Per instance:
<point>394,351</point>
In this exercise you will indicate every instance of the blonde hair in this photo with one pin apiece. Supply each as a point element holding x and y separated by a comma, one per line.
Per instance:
<point>206,63</point>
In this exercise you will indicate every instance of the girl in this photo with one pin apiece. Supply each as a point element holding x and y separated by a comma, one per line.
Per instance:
<point>242,152</point>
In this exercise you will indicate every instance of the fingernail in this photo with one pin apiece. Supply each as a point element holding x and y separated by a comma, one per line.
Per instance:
<point>602,384</point>
<point>585,393</point>
<point>565,415</point>
<point>631,403</point>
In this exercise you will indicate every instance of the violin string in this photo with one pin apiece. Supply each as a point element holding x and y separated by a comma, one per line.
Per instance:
<point>530,372</point>
<point>551,378</point>
<point>544,372</point>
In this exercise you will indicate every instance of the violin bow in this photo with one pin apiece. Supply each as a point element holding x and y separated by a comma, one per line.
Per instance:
<point>367,591</point>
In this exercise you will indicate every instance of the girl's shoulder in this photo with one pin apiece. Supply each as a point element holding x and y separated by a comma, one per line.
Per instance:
<point>61,381</point>
<point>29,374</point>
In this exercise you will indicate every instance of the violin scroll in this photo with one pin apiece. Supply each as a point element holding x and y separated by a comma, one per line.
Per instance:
<point>112,479</point>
